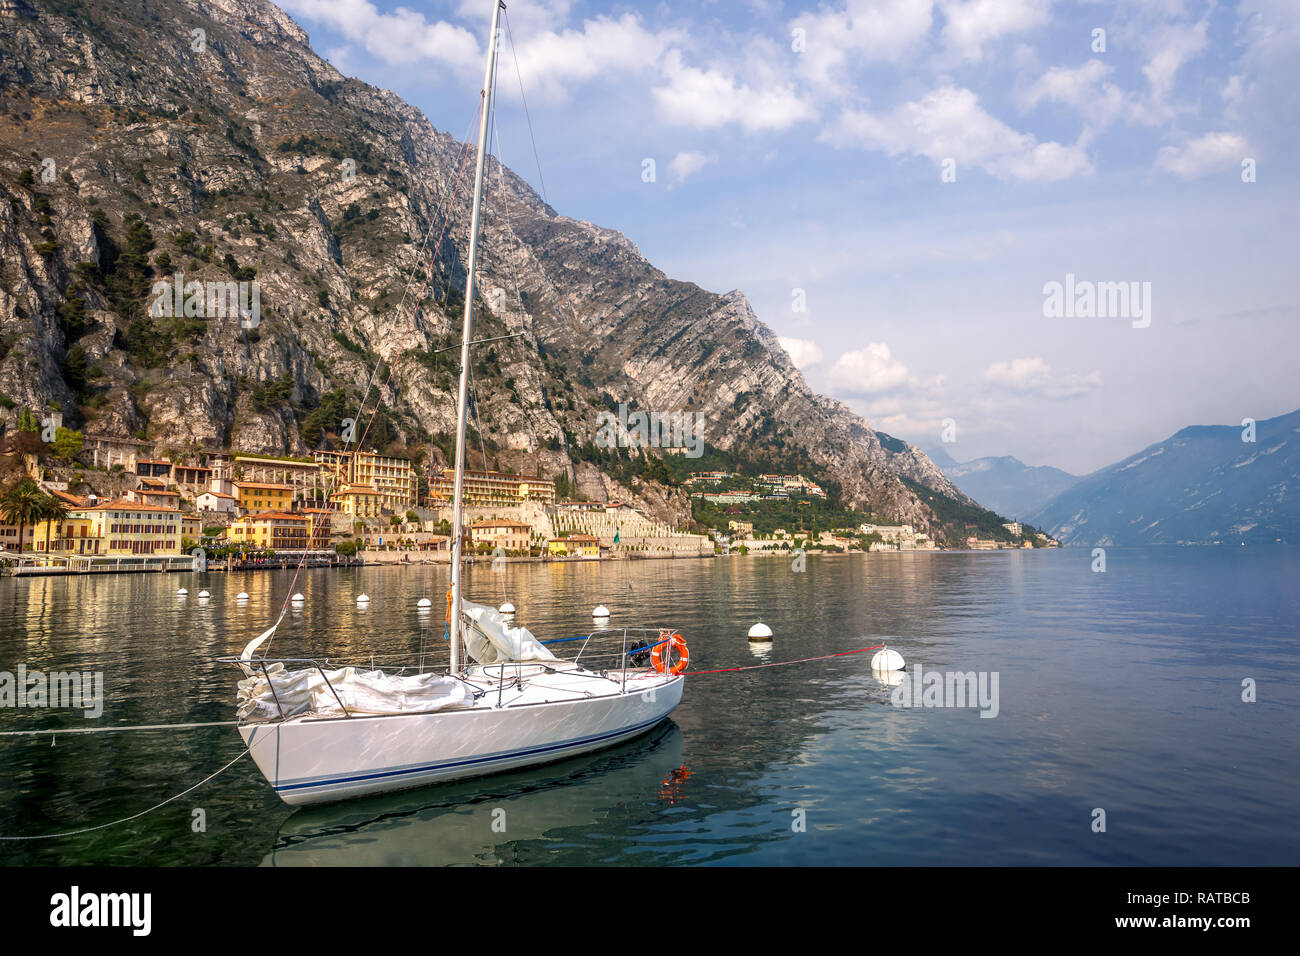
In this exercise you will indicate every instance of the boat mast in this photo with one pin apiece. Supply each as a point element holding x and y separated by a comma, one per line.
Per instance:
<point>457,518</point>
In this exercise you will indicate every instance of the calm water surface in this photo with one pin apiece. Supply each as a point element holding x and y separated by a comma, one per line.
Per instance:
<point>1119,691</point>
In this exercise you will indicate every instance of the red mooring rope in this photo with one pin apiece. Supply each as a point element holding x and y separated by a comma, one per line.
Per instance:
<point>752,667</point>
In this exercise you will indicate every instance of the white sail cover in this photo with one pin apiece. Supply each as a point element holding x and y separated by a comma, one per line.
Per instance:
<point>489,638</point>
<point>361,692</point>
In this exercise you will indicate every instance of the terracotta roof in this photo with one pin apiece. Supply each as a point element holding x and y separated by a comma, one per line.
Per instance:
<point>70,498</point>
<point>278,515</point>
<point>500,524</point>
<point>152,461</point>
<point>130,506</point>
<point>262,484</point>
<point>218,494</point>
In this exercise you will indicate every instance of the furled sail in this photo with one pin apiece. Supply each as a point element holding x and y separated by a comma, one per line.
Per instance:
<point>490,639</point>
<point>309,691</point>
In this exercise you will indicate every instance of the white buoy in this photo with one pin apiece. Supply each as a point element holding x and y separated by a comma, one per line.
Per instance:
<point>297,599</point>
<point>204,594</point>
<point>182,592</point>
<point>241,596</point>
<point>363,598</point>
<point>887,660</point>
<point>424,603</point>
<point>760,632</point>
<point>600,611</point>
<point>507,608</point>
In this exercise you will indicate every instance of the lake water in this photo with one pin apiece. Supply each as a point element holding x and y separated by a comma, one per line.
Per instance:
<point>1118,691</point>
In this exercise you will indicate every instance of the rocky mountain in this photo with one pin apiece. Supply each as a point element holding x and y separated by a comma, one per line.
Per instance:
<point>148,144</point>
<point>1204,485</point>
<point>1005,484</point>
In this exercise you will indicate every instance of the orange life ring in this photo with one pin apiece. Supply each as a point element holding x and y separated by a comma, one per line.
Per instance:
<point>668,643</point>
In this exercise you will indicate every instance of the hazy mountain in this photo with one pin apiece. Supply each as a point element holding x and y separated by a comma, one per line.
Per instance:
<point>247,155</point>
<point>1004,484</point>
<point>1203,485</point>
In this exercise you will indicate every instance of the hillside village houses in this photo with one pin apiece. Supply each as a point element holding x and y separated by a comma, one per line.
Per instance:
<point>262,503</point>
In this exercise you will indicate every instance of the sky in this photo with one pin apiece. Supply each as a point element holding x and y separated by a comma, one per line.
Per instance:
<point>896,185</point>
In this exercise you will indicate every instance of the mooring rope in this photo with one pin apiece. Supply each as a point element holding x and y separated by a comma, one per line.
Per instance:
<point>113,730</point>
<point>805,660</point>
<point>134,816</point>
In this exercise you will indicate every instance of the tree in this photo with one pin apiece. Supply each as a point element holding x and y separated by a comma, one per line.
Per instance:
<point>67,443</point>
<point>52,510</point>
<point>23,504</point>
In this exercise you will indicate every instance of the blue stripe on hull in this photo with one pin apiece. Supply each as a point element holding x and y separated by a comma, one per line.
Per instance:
<point>493,758</point>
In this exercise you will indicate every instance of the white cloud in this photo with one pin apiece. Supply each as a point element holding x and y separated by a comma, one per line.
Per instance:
<point>868,370</point>
<point>1212,151</point>
<point>549,60</point>
<point>949,123</point>
<point>972,24</point>
<point>1171,46</point>
<point>401,37</point>
<point>803,352</point>
<point>688,163</point>
<point>706,99</point>
<point>868,31</point>
<point>1033,376</point>
<point>1083,88</point>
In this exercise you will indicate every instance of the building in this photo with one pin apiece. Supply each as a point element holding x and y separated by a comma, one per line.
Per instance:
<point>217,501</point>
<point>394,479</point>
<point>574,546</point>
<point>492,488</point>
<point>279,531</point>
<point>1015,528</point>
<point>359,501</point>
<point>155,496</point>
<point>741,527</point>
<point>255,496</point>
<point>128,527</point>
<point>153,467</point>
<point>72,534</point>
<point>510,535</point>
<point>195,476</point>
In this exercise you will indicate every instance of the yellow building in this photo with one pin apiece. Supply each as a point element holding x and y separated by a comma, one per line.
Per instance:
<point>574,546</point>
<point>393,479</point>
<point>72,534</point>
<point>360,501</point>
<point>127,527</point>
<point>492,488</point>
<point>511,535</point>
<point>279,531</point>
<point>255,496</point>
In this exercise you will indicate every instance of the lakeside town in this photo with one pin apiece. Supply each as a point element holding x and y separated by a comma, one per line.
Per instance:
<point>125,505</point>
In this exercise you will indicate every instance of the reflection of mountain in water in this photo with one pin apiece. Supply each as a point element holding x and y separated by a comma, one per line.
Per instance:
<point>524,817</point>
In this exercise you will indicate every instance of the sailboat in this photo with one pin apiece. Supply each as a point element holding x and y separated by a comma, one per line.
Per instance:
<point>320,733</point>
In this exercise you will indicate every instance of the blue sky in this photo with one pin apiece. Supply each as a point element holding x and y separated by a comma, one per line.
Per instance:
<point>913,173</point>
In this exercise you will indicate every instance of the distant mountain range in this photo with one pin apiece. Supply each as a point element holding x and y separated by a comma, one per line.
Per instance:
<point>1203,485</point>
<point>1004,484</point>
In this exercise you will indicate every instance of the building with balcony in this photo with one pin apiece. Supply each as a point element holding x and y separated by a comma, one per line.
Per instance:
<point>491,488</point>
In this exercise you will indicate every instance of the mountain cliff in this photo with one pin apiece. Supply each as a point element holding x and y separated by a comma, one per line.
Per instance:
<point>1204,485</point>
<point>142,140</point>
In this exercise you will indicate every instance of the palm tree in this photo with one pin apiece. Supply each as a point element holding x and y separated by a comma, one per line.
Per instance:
<point>53,510</point>
<point>23,504</point>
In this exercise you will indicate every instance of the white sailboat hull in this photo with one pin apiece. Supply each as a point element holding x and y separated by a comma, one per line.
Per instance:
<point>311,760</point>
